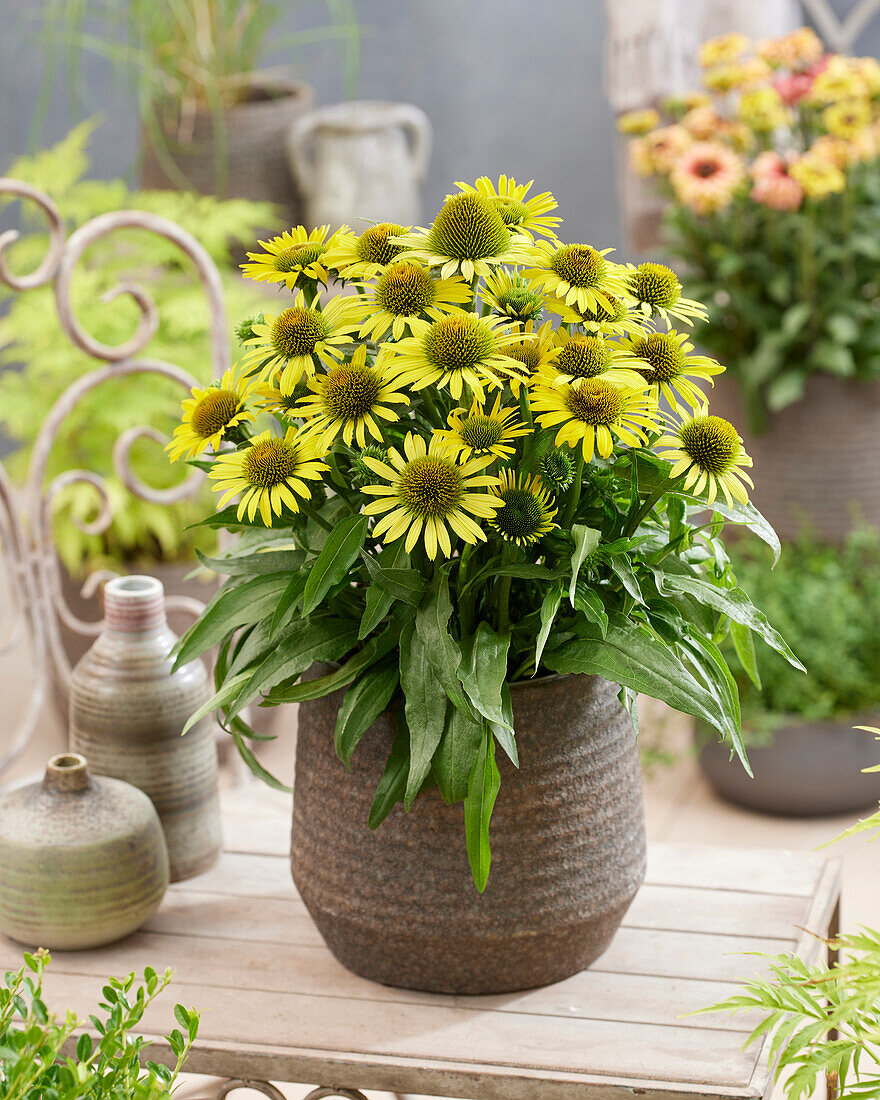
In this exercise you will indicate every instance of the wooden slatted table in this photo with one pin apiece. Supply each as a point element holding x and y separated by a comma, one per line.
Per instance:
<point>278,1007</point>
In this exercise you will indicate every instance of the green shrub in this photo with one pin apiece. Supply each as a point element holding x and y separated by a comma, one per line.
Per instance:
<point>30,334</point>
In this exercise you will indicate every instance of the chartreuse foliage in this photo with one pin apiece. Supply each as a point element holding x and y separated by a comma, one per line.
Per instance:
<point>33,1062</point>
<point>468,498</point>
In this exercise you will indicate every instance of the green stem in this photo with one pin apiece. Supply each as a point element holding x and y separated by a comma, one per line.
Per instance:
<point>307,510</point>
<point>575,492</point>
<point>646,507</point>
<point>431,407</point>
<point>507,556</point>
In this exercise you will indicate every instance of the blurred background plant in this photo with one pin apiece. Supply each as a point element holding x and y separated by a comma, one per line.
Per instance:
<point>31,335</point>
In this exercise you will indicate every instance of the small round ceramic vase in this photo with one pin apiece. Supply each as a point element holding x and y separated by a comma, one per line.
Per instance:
<point>127,710</point>
<point>83,860</point>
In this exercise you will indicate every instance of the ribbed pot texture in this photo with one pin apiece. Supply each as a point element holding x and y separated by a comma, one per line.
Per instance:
<point>818,463</point>
<point>127,710</point>
<point>398,904</point>
<point>82,861</point>
<point>255,150</point>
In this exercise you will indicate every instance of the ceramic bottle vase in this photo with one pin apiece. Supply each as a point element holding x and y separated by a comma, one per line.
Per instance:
<point>127,710</point>
<point>83,860</point>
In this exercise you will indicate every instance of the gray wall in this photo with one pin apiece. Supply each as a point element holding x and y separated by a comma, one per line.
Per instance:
<point>510,85</point>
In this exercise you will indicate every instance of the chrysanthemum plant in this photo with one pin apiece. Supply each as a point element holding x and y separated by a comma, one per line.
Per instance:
<point>771,172</point>
<point>488,457</point>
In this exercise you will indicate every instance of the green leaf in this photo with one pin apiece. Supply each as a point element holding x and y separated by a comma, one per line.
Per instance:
<point>232,607</point>
<point>441,650</point>
<point>403,584</point>
<point>503,732</point>
<point>378,601</point>
<point>744,644</point>
<point>455,756</point>
<point>586,539</point>
<point>549,608</point>
<point>256,767</point>
<point>485,781</point>
<point>484,670</point>
<point>631,657</point>
<point>392,785</point>
<point>621,566</point>
<point>363,703</point>
<point>288,598</point>
<point>732,602</point>
<point>337,556</point>
<point>588,601</point>
<point>425,706</point>
<point>255,563</point>
<point>220,699</point>
<point>795,318</point>
<point>842,328</point>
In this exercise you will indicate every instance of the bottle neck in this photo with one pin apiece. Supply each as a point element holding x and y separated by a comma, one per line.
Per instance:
<point>67,773</point>
<point>134,605</point>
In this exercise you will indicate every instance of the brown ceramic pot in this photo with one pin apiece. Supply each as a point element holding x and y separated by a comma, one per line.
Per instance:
<point>817,466</point>
<point>82,861</point>
<point>398,905</point>
<point>127,710</point>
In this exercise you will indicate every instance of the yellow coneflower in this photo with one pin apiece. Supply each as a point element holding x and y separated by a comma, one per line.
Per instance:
<point>577,273</point>
<point>527,512</point>
<point>582,355</point>
<point>349,400</point>
<point>710,453</point>
<point>594,413</point>
<point>520,300</point>
<point>285,258</point>
<point>657,289</point>
<point>270,473</point>
<point>483,431</point>
<point>519,213</point>
<point>209,414</point>
<point>406,292</point>
<point>528,355</point>
<point>426,490</point>
<point>366,256</point>
<point>668,367</point>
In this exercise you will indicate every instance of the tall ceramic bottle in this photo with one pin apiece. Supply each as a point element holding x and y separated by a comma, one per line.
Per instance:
<point>127,710</point>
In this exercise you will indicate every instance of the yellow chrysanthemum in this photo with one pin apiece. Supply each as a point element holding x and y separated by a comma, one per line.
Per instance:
<point>593,413</point>
<point>406,292</point>
<point>847,119</point>
<point>638,123</point>
<point>818,176</point>
<point>209,414</point>
<point>427,490</point>
<point>658,152</point>
<point>349,400</point>
<point>710,452</point>
<point>468,235</point>
<point>582,356</point>
<point>527,512</point>
<point>284,259</point>
<point>528,355</point>
<point>293,341</point>
<point>723,49</point>
<point>461,349</point>
<point>521,300</point>
<point>707,176</point>
<point>483,431</point>
<point>270,474</point>
<point>657,290</point>
<point>518,212</point>
<point>763,109</point>
<point>668,366</point>
<point>578,273</point>
<point>841,80</point>
<point>367,255</point>
<point>793,50</point>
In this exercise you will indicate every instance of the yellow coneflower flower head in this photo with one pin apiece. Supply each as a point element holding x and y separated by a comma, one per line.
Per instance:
<point>579,274</point>
<point>818,175</point>
<point>270,474</point>
<point>594,413</point>
<point>294,254</point>
<point>468,235</point>
<point>590,355</point>
<point>656,287</point>
<point>405,292</point>
<point>367,255</point>
<point>519,213</point>
<point>209,415</point>
<point>427,493</point>
<point>351,399</point>
<point>483,431</point>
<point>528,354</point>
<point>527,512</point>
<point>722,49</point>
<point>709,452</point>
<point>847,119</point>
<point>763,109</point>
<point>668,367</point>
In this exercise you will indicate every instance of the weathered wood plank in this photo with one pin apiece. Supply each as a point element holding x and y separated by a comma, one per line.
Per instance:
<point>755,870</point>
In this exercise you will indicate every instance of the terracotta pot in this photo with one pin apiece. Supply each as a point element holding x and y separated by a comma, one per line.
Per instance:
<point>127,710</point>
<point>398,905</point>
<point>82,861</point>
<point>814,769</point>
<point>818,464</point>
<point>256,158</point>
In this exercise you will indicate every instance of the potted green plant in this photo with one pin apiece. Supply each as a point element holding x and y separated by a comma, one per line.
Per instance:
<point>211,119</point>
<point>806,757</point>
<point>773,189</point>
<point>485,531</point>
<point>43,1056</point>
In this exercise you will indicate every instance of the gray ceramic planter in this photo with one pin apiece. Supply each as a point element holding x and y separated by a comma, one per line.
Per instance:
<point>568,840</point>
<point>812,770</point>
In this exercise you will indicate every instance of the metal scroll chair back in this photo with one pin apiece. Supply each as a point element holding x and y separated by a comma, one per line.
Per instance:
<point>37,608</point>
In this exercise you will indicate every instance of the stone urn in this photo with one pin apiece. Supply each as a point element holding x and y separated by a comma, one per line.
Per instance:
<point>360,162</point>
<point>128,706</point>
<point>83,860</point>
<point>398,904</point>
<point>817,466</point>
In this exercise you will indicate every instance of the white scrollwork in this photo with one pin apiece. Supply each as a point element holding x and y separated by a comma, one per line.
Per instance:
<point>38,605</point>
